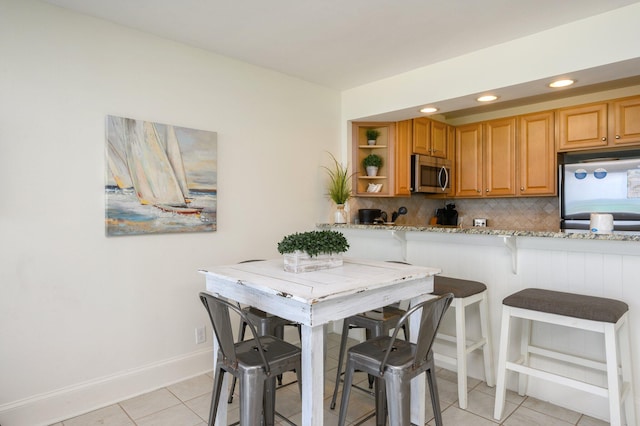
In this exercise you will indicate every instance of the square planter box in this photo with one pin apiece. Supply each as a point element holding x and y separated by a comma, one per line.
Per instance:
<point>301,262</point>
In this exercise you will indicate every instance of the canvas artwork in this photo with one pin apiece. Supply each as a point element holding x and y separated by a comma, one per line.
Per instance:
<point>159,178</point>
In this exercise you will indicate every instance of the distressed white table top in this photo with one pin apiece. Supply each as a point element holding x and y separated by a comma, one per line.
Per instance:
<point>318,297</point>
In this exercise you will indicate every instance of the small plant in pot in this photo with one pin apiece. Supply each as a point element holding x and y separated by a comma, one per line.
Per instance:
<point>372,136</point>
<point>313,250</point>
<point>371,163</point>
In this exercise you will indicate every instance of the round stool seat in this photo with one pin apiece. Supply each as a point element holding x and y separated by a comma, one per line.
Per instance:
<point>459,288</point>
<point>568,304</point>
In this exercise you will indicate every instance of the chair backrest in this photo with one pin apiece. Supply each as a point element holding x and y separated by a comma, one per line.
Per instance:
<point>218,310</point>
<point>430,318</point>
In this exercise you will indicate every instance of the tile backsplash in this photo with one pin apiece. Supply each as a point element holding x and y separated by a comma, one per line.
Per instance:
<point>527,214</point>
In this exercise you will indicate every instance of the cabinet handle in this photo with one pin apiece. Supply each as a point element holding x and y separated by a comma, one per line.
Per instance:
<point>486,190</point>
<point>478,191</point>
<point>604,139</point>
<point>522,188</point>
<point>617,136</point>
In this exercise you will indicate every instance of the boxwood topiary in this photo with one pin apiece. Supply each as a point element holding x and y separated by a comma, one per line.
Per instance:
<point>314,242</point>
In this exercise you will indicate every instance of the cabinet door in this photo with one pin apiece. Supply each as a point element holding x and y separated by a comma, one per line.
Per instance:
<point>403,157</point>
<point>439,139</point>
<point>500,157</point>
<point>421,136</point>
<point>626,121</point>
<point>468,164</point>
<point>582,127</point>
<point>537,156</point>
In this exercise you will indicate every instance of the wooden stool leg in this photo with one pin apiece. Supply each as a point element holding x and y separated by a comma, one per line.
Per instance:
<point>525,341</point>
<point>613,380</point>
<point>501,390</point>
<point>487,349</point>
<point>627,376</point>
<point>461,351</point>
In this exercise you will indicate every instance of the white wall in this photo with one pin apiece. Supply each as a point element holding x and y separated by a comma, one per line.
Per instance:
<point>84,319</point>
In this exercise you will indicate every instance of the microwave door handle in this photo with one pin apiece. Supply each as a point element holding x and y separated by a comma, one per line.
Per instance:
<point>444,186</point>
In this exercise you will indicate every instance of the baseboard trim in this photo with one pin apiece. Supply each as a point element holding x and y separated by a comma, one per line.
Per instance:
<point>61,404</point>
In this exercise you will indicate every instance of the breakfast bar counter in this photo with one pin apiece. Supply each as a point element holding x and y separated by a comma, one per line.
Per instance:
<point>508,261</point>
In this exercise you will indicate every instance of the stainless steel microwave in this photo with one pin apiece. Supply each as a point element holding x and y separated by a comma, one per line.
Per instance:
<point>430,175</point>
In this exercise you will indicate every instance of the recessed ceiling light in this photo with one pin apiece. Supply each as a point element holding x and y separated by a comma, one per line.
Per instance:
<point>427,110</point>
<point>487,98</point>
<point>561,83</point>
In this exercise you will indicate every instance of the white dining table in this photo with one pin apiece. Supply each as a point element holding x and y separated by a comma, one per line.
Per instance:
<point>316,298</point>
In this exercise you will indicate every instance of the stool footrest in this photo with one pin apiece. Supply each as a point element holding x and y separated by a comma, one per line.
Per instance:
<point>573,359</point>
<point>470,345</point>
<point>577,384</point>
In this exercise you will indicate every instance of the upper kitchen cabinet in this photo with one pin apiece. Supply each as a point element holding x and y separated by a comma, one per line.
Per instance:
<point>536,155</point>
<point>485,159</point>
<point>430,138</point>
<point>626,121</point>
<point>390,179</point>
<point>582,127</point>
<point>402,151</point>
<point>468,161</point>
<point>601,125</point>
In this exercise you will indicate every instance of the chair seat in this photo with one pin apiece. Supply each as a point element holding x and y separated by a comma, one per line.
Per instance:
<point>568,304</point>
<point>458,287</point>
<point>278,350</point>
<point>371,352</point>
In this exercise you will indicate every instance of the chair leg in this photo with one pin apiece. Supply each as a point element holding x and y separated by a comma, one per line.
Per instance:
<point>251,399</point>
<point>241,332</point>
<point>398,400</point>
<point>487,349</point>
<point>433,390</point>
<point>381,405</point>
<point>461,351</point>
<point>269,404</point>
<point>343,347</point>
<point>215,396</point>
<point>502,364</point>
<point>346,392</point>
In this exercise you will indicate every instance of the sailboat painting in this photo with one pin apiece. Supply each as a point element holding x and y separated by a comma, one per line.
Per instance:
<point>159,178</point>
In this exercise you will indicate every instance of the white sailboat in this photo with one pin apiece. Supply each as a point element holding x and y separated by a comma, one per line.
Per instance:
<point>150,161</point>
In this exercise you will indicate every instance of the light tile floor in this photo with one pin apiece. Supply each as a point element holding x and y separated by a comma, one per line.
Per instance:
<point>187,404</point>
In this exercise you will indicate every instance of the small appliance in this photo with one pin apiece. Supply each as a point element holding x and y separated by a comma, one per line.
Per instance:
<point>430,175</point>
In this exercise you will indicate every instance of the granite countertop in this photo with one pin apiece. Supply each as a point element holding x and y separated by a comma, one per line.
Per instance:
<point>488,231</point>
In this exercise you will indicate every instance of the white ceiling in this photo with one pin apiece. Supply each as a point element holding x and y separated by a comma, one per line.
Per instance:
<point>342,43</point>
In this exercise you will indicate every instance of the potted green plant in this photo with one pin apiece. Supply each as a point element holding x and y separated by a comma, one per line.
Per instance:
<point>372,136</point>
<point>339,188</point>
<point>371,163</point>
<point>313,250</point>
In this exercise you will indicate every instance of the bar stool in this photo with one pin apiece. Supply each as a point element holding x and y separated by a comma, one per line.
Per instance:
<point>395,363</point>
<point>596,314</point>
<point>255,362</point>
<point>377,323</point>
<point>266,324</point>
<point>466,293</point>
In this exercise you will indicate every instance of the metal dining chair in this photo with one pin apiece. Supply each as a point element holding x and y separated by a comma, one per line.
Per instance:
<point>266,324</point>
<point>255,363</point>
<point>395,362</point>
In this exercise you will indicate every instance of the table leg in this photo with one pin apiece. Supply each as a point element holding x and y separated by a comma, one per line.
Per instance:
<point>418,387</point>
<point>312,375</point>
